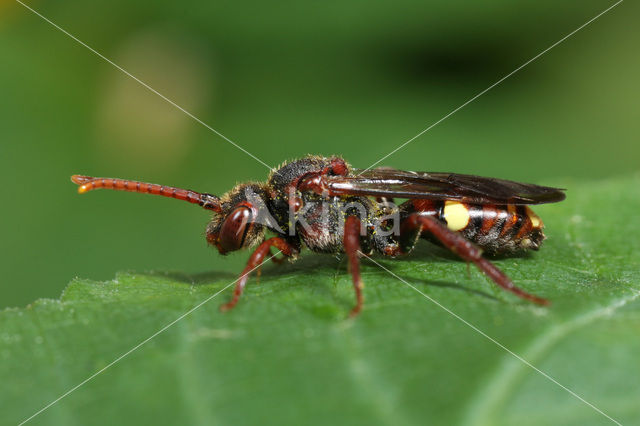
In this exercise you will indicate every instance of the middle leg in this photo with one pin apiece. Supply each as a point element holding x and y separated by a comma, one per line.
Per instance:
<point>352,227</point>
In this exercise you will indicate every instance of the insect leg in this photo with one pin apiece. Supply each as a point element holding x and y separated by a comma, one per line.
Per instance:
<point>466,250</point>
<point>352,248</point>
<point>254,261</point>
<point>274,259</point>
<point>277,260</point>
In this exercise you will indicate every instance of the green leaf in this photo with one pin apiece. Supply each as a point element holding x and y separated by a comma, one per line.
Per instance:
<point>288,355</point>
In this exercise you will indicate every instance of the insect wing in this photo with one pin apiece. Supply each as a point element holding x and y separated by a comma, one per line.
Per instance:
<point>471,189</point>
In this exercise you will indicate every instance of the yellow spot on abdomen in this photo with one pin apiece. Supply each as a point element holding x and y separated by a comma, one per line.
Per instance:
<point>536,222</point>
<point>456,215</point>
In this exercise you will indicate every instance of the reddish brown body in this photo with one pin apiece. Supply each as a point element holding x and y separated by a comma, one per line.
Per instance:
<point>497,229</point>
<point>325,205</point>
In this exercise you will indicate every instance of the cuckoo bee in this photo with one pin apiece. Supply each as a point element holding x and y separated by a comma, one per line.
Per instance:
<point>329,207</point>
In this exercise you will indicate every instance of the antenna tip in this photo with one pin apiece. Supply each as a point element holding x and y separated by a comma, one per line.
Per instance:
<point>83,181</point>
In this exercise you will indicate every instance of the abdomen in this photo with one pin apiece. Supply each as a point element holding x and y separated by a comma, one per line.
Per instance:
<point>496,229</point>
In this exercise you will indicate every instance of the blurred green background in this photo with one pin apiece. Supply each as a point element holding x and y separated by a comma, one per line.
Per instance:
<point>283,80</point>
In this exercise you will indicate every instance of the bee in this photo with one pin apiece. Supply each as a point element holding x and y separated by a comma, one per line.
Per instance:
<point>329,207</point>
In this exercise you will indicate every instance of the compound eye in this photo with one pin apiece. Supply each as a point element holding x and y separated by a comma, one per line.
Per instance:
<point>234,229</point>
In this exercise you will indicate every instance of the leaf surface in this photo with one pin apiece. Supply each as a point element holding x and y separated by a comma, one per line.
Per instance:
<point>288,355</point>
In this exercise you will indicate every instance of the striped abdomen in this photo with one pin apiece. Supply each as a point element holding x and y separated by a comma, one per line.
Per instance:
<point>495,228</point>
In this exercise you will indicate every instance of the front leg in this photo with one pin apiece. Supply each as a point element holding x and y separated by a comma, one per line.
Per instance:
<point>254,262</point>
<point>463,248</point>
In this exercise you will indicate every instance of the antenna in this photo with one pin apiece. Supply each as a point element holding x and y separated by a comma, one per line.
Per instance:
<point>88,183</point>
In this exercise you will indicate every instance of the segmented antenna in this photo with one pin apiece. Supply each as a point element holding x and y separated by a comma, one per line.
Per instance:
<point>88,183</point>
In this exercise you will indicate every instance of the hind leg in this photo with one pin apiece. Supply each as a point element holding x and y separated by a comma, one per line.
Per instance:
<point>416,223</point>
